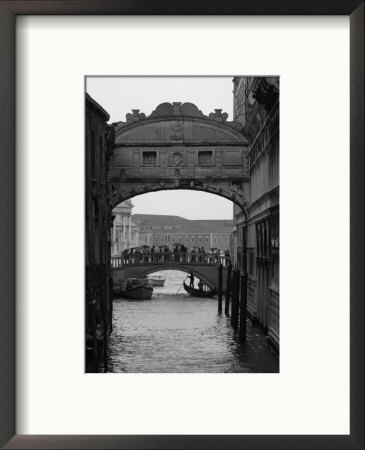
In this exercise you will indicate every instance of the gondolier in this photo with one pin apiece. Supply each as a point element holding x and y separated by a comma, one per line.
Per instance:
<point>201,292</point>
<point>191,276</point>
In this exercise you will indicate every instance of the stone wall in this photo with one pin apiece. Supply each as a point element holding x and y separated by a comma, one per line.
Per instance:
<point>99,142</point>
<point>258,109</point>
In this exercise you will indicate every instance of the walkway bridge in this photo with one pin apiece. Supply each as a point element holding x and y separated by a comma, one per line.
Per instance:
<point>179,147</point>
<point>203,265</point>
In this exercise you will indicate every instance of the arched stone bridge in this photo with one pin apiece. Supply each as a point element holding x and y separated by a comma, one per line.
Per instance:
<point>204,266</point>
<point>178,147</point>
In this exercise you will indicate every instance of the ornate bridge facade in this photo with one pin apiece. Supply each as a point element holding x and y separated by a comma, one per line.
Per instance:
<point>178,147</point>
<point>203,265</point>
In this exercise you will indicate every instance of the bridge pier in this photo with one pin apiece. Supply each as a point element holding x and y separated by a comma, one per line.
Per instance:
<point>243,308</point>
<point>228,290</point>
<point>220,287</point>
<point>235,298</point>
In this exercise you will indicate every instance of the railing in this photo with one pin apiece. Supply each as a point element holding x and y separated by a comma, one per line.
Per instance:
<point>183,258</point>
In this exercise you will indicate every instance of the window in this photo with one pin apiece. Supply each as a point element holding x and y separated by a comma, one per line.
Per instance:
<point>179,238</point>
<point>149,159</point>
<point>193,239</point>
<point>205,158</point>
<point>200,239</point>
<point>161,239</point>
<point>186,239</point>
<point>173,238</point>
<point>207,239</point>
<point>156,239</point>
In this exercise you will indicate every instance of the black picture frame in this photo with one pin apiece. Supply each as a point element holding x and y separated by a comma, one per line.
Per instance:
<point>8,12</point>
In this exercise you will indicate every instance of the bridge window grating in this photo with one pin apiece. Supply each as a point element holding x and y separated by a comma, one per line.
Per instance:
<point>205,158</point>
<point>149,159</point>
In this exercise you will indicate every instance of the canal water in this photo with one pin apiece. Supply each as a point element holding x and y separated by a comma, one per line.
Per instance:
<point>178,333</point>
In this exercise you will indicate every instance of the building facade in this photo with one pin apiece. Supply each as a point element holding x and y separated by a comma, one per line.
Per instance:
<point>160,230</point>
<point>165,230</point>
<point>125,233</point>
<point>256,107</point>
<point>99,145</point>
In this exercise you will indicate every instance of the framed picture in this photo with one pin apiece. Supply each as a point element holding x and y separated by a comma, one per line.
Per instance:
<point>315,399</point>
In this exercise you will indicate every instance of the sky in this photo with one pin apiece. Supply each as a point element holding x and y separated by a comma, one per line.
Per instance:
<point>119,95</point>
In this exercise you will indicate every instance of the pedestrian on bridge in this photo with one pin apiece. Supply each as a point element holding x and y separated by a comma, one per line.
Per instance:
<point>157,252</point>
<point>167,253</point>
<point>175,251</point>
<point>183,253</point>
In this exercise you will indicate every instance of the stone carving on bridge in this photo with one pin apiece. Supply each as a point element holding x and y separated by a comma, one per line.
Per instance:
<point>178,109</point>
<point>177,158</point>
<point>218,116</point>
<point>177,132</point>
<point>236,188</point>
<point>135,116</point>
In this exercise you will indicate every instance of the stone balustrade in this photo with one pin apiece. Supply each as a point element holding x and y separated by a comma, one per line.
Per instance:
<point>183,258</point>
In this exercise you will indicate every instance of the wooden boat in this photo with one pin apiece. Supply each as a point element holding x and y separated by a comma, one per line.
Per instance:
<point>136,289</point>
<point>157,280</point>
<point>197,292</point>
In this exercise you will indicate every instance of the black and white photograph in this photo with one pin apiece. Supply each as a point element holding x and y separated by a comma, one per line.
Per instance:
<point>182,224</point>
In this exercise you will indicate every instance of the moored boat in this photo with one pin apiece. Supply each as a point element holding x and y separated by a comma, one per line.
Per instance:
<point>199,292</point>
<point>136,289</point>
<point>157,280</point>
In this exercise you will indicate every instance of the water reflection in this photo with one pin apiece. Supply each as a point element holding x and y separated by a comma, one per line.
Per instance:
<point>177,333</point>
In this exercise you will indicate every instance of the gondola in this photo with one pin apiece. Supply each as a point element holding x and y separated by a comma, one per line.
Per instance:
<point>134,289</point>
<point>198,293</point>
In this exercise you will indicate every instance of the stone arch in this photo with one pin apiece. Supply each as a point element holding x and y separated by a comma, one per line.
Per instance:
<point>126,193</point>
<point>208,274</point>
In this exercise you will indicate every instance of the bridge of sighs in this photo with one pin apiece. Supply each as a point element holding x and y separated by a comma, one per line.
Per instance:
<point>178,147</point>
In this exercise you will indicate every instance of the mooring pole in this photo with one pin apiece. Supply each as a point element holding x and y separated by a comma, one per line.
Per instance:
<point>110,304</point>
<point>220,287</point>
<point>235,298</point>
<point>243,308</point>
<point>228,289</point>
